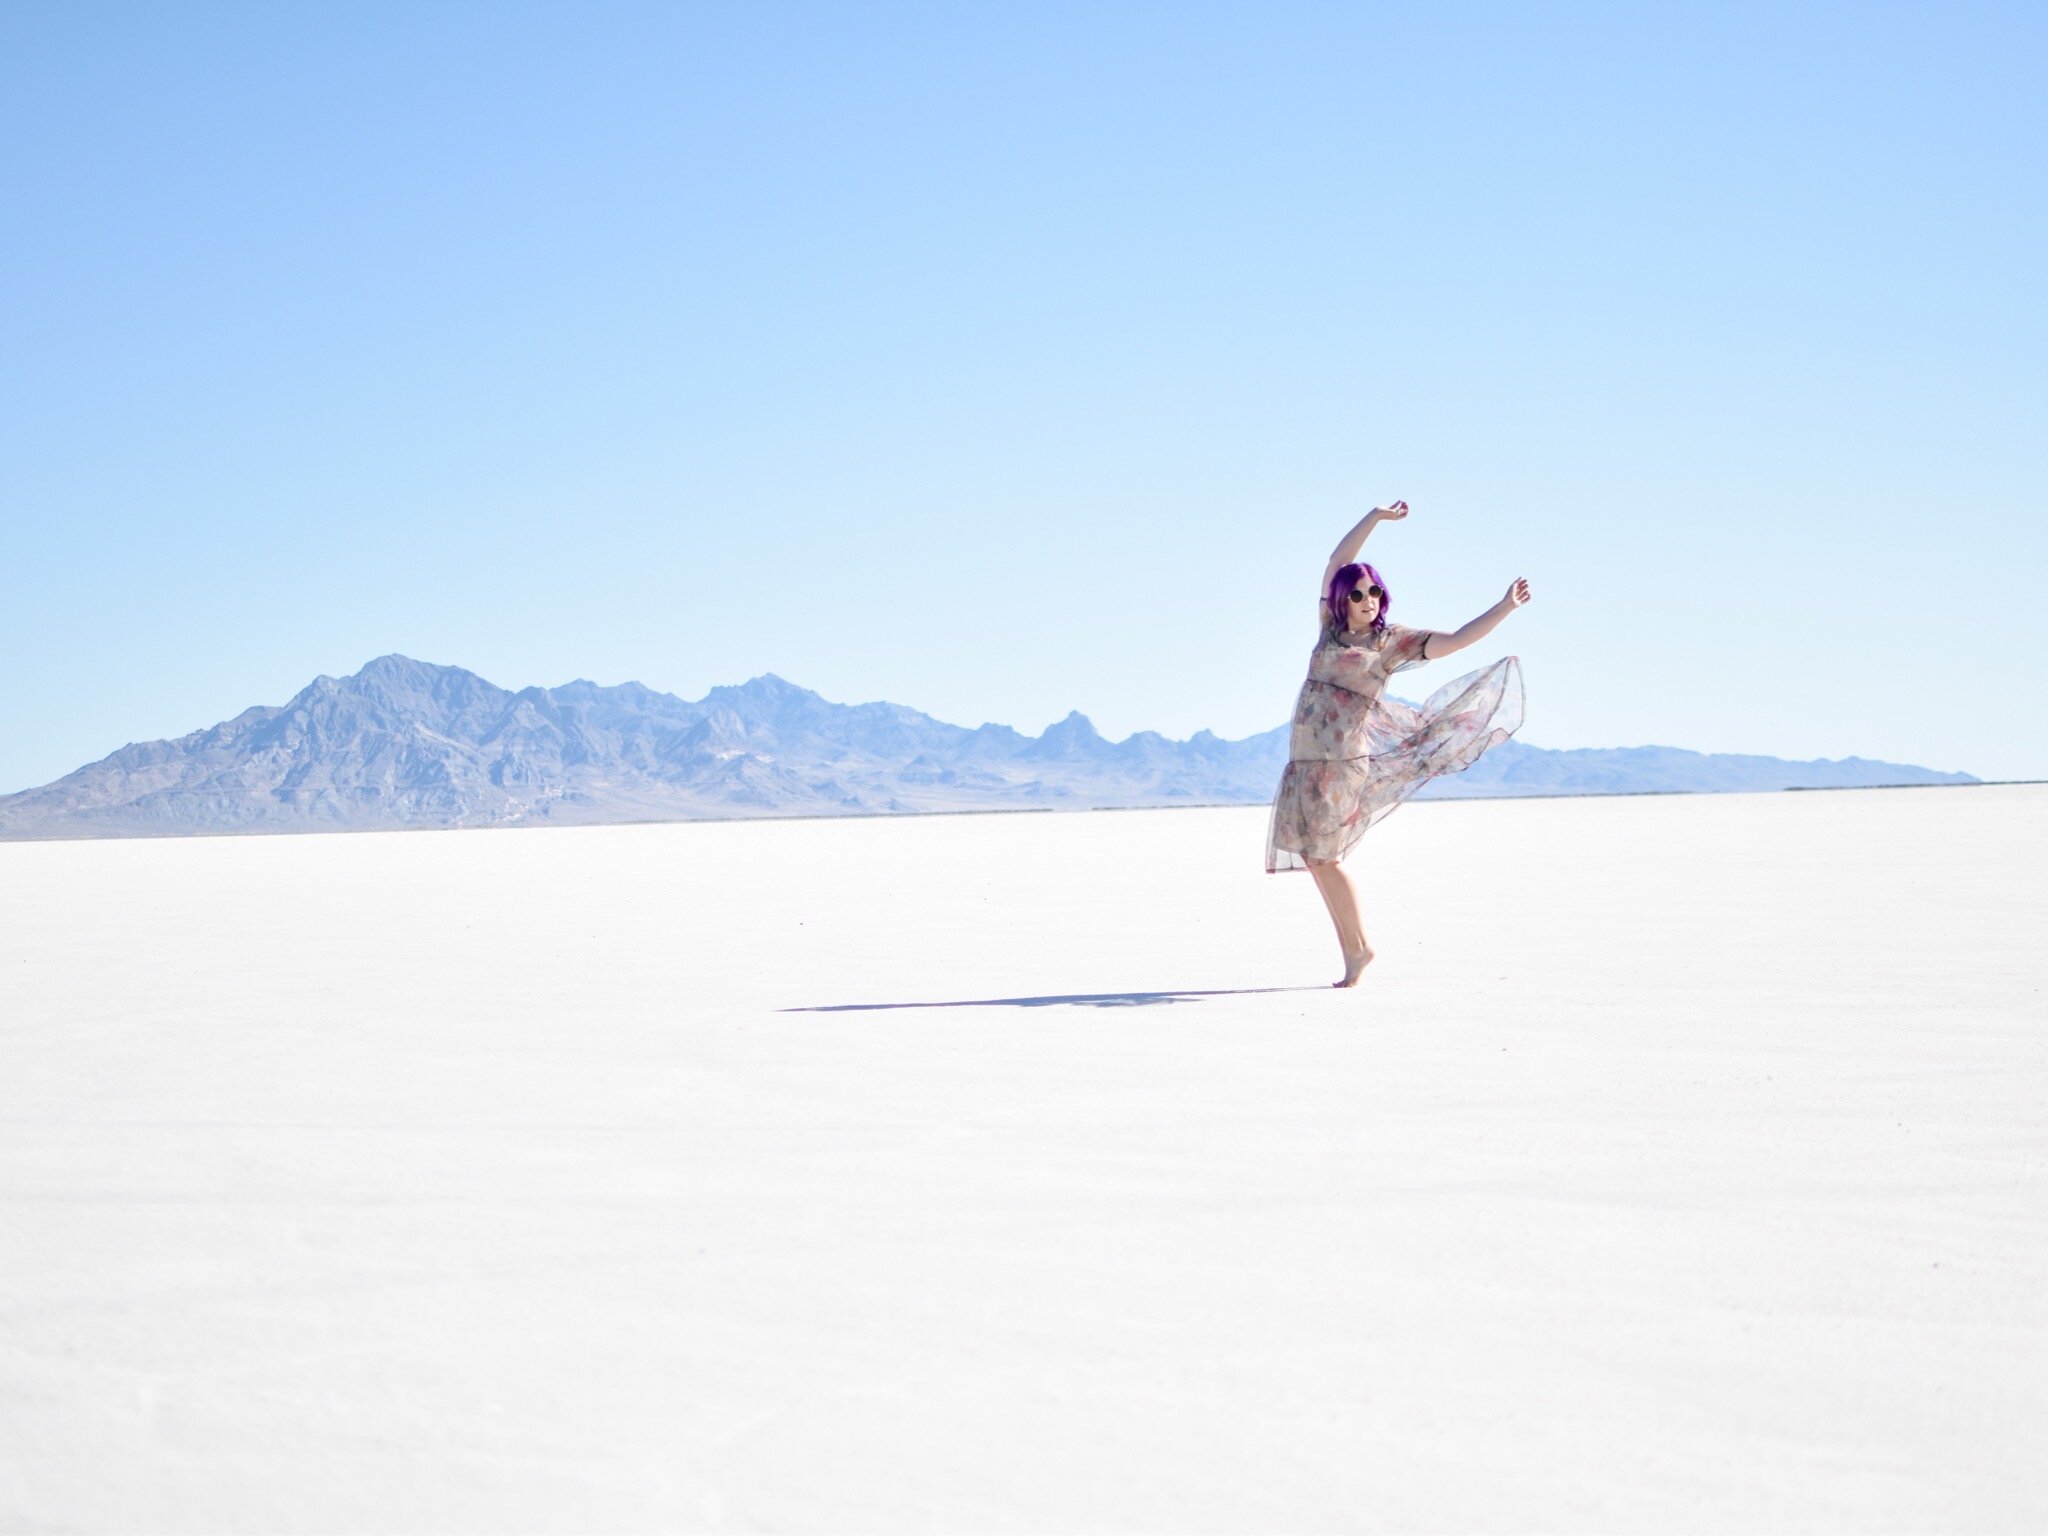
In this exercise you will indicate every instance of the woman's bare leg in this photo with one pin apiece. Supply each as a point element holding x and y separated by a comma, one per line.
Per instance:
<point>1341,897</point>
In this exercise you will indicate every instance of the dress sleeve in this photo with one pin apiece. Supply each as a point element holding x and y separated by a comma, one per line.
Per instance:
<point>1404,647</point>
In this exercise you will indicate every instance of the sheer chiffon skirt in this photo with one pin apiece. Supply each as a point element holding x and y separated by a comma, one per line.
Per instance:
<point>1323,808</point>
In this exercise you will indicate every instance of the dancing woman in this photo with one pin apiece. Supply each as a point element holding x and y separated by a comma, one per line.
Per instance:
<point>1356,754</point>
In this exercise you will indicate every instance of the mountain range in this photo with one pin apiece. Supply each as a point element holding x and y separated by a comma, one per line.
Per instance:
<point>405,743</point>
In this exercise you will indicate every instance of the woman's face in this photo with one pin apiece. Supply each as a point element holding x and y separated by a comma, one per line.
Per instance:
<point>1362,606</point>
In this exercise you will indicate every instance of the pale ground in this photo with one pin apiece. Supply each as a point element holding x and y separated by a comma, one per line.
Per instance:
<point>1679,1166</point>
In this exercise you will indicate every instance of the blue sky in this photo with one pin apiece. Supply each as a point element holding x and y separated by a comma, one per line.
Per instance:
<point>1006,360</point>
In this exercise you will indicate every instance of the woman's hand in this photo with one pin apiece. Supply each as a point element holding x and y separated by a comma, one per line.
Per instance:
<point>1518,594</point>
<point>1393,512</point>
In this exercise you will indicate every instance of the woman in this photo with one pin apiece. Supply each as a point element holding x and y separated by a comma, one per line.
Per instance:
<point>1356,754</point>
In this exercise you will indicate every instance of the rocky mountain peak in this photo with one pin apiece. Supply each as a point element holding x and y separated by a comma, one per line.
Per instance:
<point>403,742</point>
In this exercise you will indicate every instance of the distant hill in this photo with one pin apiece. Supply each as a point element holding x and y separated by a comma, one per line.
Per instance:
<point>406,743</point>
<point>1515,769</point>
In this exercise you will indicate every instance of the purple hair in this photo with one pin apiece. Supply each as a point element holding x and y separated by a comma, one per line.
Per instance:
<point>1340,590</point>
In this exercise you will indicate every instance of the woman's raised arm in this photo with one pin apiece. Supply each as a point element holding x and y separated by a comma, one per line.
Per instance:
<point>1348,547</point>
<point>1442,644</point>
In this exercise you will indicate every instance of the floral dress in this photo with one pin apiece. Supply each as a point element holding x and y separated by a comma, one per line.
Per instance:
<point>1355,754</point>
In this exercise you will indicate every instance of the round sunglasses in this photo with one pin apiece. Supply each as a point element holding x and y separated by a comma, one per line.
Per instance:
<point>1359,594</point>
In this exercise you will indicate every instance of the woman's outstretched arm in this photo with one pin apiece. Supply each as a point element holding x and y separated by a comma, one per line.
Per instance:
<point>1348,547</point>
<point>1442,644</point>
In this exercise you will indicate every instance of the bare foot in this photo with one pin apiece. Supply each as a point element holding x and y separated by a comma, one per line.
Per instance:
<point>1353,965</point>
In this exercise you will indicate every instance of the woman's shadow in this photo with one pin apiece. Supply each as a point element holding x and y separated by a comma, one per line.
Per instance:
<point>1077,999</point>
